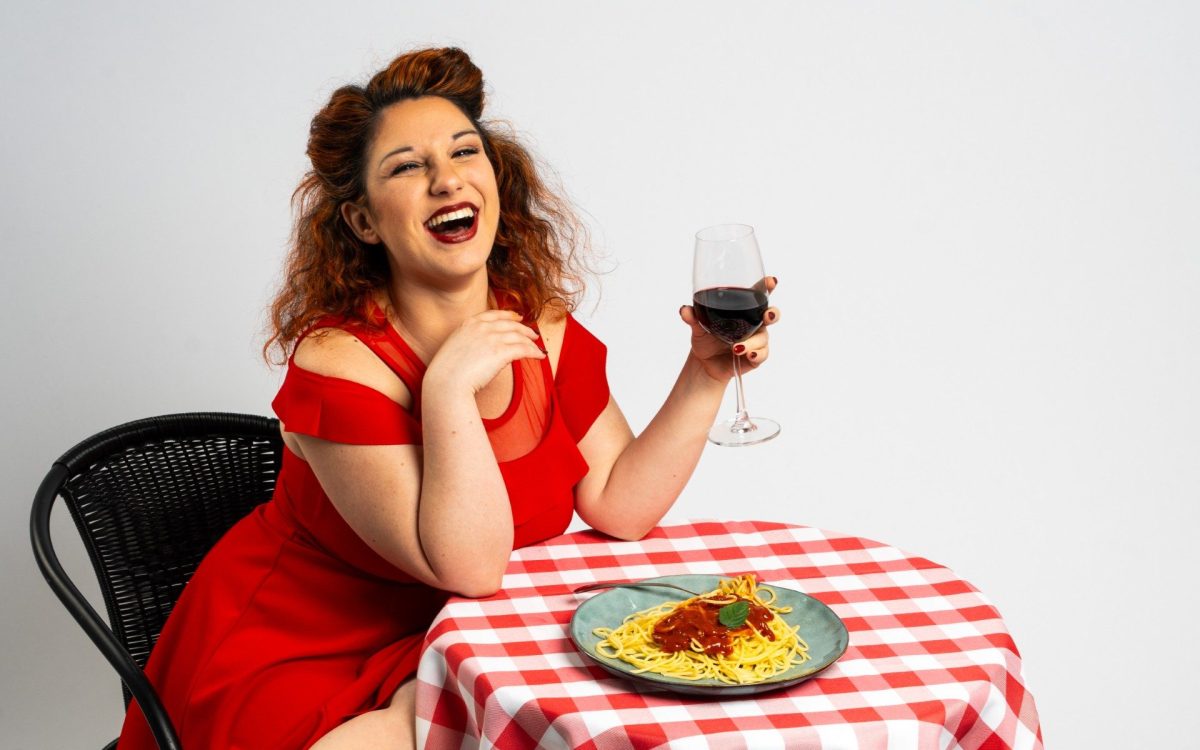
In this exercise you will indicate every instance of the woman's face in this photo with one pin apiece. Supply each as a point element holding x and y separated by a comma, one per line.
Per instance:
<point>431,193</point>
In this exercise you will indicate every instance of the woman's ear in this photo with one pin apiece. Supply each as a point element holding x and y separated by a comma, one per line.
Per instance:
<point>358,218</point>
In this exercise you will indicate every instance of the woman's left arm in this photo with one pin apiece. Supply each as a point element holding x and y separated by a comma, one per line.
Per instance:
<point>632,482</point>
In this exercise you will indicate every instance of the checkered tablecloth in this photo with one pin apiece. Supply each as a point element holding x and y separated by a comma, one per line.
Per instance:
<point>930,664</point>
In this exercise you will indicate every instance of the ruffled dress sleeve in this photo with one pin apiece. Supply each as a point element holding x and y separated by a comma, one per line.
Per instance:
<point>342,411</point>
<point>581,381</point>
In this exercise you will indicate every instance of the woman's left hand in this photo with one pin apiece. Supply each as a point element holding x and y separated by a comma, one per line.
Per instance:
<point>713,353</point>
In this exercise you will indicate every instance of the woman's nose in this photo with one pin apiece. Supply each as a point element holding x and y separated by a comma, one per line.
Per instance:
<point>445,179</point>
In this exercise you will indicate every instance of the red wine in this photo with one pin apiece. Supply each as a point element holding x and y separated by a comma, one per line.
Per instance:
<point>732,314</point>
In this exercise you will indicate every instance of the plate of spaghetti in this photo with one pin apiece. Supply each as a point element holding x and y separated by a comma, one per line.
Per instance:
<point>740,637</point>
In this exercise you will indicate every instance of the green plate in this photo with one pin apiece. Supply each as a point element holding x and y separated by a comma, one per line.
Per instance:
<point>822,629</point>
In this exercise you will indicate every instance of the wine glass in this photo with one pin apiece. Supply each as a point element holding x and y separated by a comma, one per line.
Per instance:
<point>730,298</point>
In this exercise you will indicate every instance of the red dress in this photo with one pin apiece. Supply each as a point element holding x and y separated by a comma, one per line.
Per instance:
<point>292,624</point>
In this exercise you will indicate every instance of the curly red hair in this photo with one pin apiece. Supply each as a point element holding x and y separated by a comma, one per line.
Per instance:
<point>329,271</point>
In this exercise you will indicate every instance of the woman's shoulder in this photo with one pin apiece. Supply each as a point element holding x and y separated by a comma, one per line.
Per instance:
<point>578,360</point>
<point>552,325</point>
<point>338,390</point>
<point>336,352</point>
<point>553,320</point>
<point>569,344</point>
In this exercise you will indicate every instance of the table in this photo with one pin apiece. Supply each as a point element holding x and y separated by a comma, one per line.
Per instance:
<point>930,663</point>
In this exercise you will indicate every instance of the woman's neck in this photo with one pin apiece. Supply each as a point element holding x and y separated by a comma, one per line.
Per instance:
<point>426,316</point>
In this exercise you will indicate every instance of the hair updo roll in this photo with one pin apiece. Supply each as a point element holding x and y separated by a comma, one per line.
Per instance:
<point>329,271</point>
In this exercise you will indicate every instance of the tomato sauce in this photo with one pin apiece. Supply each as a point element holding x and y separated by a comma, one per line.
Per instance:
<point>698,620</point>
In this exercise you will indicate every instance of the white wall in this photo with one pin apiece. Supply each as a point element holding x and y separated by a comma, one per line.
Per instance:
<point>983,215</point>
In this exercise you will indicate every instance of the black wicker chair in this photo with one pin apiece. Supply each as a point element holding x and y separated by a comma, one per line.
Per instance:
<point>150,498</point>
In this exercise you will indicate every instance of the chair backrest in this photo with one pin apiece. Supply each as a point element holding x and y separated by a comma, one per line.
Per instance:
<point>150,498</point>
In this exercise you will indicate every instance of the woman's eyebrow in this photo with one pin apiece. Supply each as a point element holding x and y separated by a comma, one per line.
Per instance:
<point>393,152</point>
<point>402,149</point>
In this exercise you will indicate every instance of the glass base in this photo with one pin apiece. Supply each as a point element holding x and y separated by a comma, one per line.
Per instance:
<point>735,433</point>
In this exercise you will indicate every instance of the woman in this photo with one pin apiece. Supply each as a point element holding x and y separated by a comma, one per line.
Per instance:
<point>441,407</point>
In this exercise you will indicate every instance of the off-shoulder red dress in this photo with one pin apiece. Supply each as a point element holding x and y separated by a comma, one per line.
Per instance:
<point>292,624</point>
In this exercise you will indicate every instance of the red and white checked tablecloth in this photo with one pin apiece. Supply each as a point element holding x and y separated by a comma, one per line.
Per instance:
<point>930,664</point>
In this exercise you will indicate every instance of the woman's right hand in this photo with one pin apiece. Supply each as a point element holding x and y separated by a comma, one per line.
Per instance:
<point>438,511</point>
<point>482,346</point>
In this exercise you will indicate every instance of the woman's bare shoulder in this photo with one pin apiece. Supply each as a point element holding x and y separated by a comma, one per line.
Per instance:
<point>552,325</point>
<point>336,353</point>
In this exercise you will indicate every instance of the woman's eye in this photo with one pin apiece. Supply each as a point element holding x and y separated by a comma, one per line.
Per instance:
<point>468,151</point>
<point>407,166</point>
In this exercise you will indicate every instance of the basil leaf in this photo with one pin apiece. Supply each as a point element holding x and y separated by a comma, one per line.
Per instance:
<point>734,615</point>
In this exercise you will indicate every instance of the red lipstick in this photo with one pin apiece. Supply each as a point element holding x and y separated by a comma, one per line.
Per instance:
<point>453,224</point>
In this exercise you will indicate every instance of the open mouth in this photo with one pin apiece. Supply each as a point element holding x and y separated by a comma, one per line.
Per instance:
<point>452,224</point>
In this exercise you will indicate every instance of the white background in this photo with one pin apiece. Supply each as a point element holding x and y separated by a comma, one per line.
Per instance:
<point>983,217</point>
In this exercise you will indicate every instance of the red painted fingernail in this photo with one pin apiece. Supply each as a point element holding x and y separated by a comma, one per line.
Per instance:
<point>753,355</point>
<point>770,316</point>
<point>775,279</point>
<point>739,349</point>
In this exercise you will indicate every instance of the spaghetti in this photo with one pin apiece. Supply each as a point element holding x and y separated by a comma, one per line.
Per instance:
<point>706,638</point>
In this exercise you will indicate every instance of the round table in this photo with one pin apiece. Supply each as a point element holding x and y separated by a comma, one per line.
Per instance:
<point>930,663</point>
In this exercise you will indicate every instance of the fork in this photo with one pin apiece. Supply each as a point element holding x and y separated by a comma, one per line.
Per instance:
<point>631,585</point>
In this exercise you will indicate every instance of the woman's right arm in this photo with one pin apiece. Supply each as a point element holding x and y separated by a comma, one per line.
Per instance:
<point>439,512</point>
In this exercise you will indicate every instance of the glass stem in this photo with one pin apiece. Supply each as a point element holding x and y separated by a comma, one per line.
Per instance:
<point>741,422</point>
